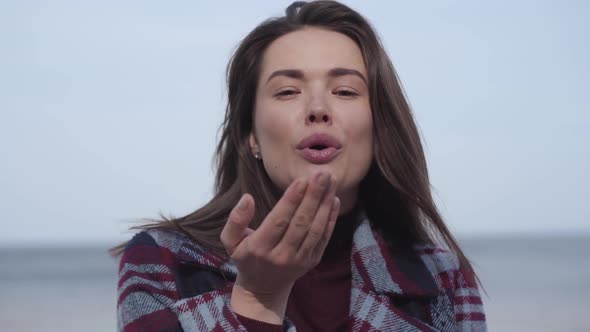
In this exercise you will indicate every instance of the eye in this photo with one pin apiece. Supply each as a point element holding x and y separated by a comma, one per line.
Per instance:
<point>346,93</point>
<point>286,93</point>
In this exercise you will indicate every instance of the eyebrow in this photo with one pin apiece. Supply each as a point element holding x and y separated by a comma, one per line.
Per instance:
<point>298,74</point>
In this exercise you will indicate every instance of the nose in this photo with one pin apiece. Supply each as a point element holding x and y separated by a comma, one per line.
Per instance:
<point>318,113</point>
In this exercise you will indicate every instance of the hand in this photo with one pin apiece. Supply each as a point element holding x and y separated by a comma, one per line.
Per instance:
<point>289,242</point>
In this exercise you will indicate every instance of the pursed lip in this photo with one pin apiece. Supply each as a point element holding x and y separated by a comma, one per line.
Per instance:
<point>319,148</point>
<point>319,139</point>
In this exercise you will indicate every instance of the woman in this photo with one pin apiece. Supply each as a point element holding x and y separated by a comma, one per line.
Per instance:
<point>322,218</point>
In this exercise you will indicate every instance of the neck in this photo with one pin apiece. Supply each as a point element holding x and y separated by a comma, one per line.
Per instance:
<point>348,201</point>
<point>341,241</point>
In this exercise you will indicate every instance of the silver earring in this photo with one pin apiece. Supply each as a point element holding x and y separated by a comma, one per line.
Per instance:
<point>257,155</point>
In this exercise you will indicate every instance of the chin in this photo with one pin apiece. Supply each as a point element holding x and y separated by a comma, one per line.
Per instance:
<point>310,169</point>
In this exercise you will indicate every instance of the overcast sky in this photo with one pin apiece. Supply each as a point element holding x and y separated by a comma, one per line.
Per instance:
<point>109,109</point>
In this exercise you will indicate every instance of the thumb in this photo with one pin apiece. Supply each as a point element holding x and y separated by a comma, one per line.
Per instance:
<point>236,227</point>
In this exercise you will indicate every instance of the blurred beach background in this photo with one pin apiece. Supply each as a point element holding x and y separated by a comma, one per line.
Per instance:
<point>109,113</point>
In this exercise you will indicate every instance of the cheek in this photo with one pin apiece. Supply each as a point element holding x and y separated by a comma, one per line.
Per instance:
<point>361,129</point>
<point>272,129</point>
<point>361,134</point>
<point>367,125</point>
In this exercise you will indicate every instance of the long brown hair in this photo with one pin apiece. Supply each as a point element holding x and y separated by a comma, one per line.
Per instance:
<point>395,193</point>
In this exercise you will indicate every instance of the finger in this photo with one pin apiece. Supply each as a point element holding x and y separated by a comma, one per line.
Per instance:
<point>277,221</point>
<point>318,227</point>
<point>305,213</point>
<point>236,227</point>
<point>321,245</point>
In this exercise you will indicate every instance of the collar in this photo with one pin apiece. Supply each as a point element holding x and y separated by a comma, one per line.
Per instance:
<point>388,269</point>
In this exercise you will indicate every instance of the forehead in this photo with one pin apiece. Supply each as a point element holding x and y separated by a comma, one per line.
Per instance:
<point>314,50</point>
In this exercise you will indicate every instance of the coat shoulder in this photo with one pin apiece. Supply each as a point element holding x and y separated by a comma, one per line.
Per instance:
<point>441,258</point>
<point>442,263</point>
<point>143,249</point>
<point>172,248</point>
<point>188,251</point>
<point>447,270</point>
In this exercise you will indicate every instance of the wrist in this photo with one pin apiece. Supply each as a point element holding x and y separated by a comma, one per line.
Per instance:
<point>269,308</point>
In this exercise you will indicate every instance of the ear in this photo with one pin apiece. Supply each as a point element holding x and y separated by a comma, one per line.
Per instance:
<point>253,142</point>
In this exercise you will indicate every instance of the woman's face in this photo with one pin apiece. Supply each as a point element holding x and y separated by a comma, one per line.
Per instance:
<point>312,111</point>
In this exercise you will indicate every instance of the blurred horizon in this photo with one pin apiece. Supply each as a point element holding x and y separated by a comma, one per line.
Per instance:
<point>106,244</point>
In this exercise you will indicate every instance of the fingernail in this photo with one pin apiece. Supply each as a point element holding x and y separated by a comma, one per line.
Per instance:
<point>318,176</point>
<point>323,179</point>
<point>243,203</point>
<point>336,206</point>
<point>300,186</point>
<point>333,184</point>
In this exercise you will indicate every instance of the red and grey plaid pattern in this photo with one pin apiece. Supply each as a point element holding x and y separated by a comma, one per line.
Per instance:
<point>149,300</point>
